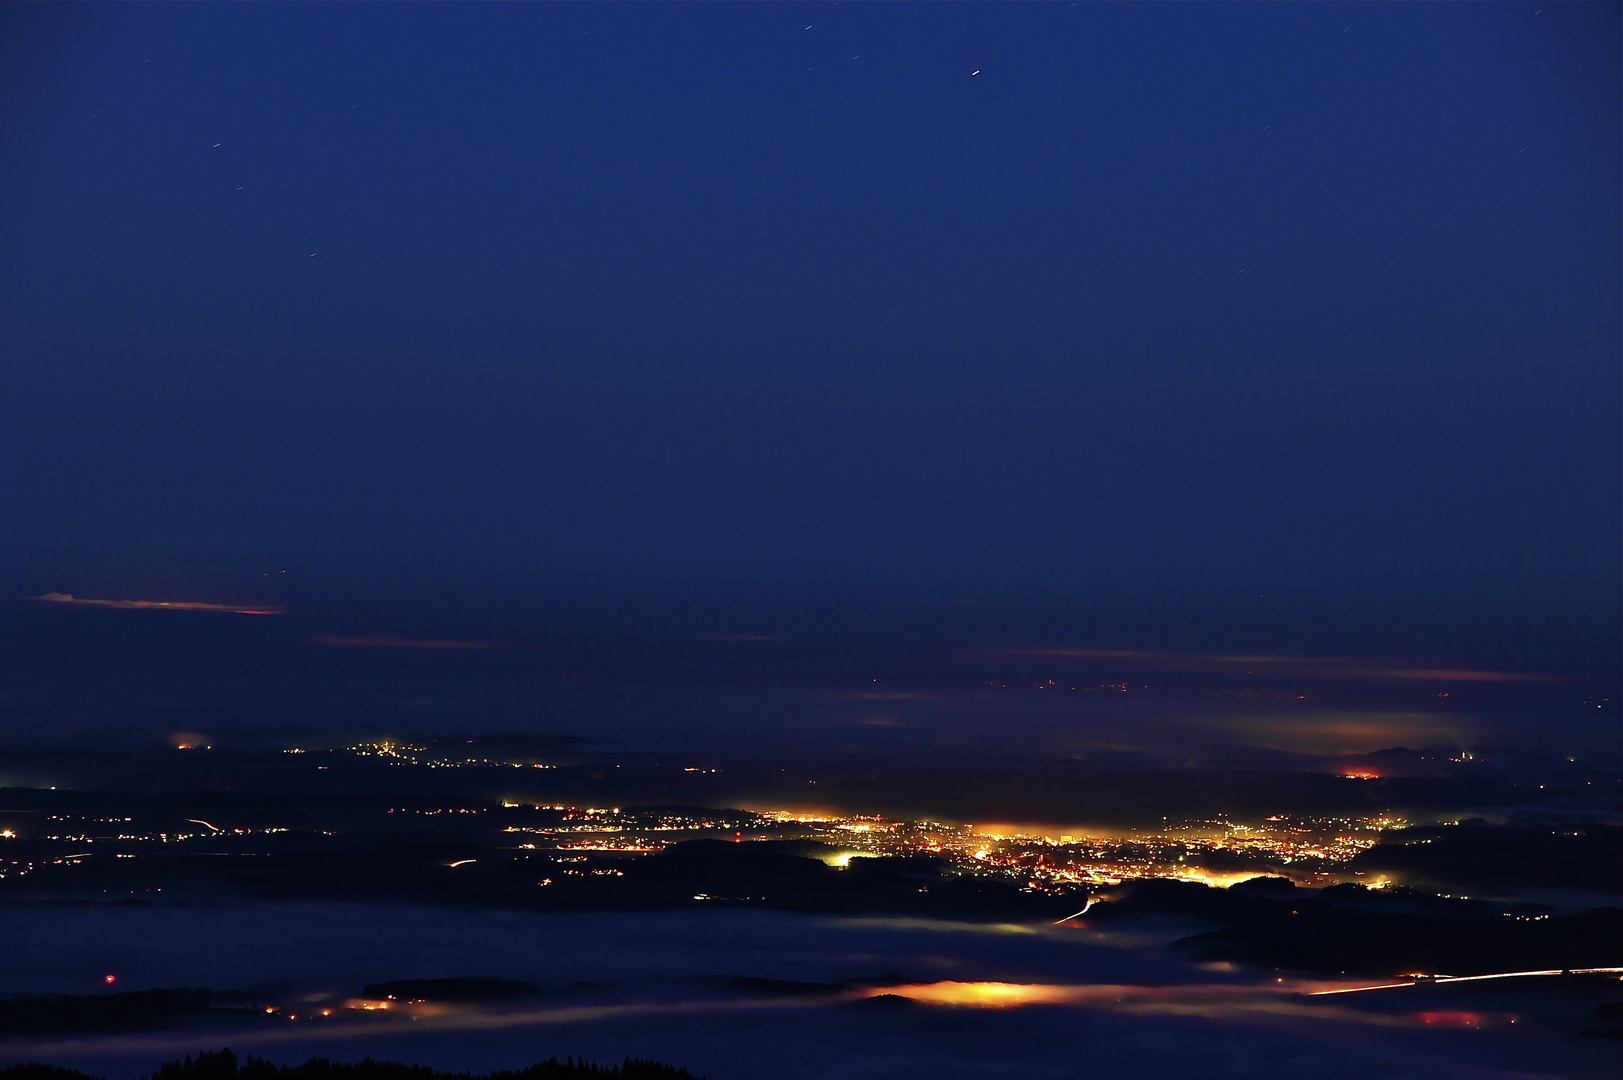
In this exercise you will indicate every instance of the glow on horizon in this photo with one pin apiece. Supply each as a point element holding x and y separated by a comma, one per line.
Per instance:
<point>1311,666</point>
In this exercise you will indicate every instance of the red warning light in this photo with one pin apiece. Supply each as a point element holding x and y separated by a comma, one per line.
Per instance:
<point>108,980</point>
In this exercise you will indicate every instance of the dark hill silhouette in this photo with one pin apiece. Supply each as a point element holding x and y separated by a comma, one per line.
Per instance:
<point>60,1013</point>
<point>1373,932</point>
<point>1574,856</point>
<point>224,1065</point>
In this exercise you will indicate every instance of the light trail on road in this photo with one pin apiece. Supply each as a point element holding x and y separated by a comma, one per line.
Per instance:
<point>1439,980</point>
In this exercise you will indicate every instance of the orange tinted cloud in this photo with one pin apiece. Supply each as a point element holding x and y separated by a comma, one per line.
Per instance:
<point>154,605</point>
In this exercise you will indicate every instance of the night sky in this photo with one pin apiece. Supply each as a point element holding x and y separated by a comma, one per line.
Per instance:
<point>1310,301</point>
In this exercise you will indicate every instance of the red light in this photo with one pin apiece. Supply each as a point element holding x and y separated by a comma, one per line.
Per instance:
<point>1450,1019</point>
<point>108,980</point>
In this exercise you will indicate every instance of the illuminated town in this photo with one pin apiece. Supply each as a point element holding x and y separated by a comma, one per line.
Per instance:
<point>1218,851</point>
<point>598,840</point>
<point>1312,851</point>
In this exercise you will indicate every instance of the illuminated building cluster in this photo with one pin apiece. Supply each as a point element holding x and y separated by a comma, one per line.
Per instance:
<point>598,840</point>
<point>1311,849</point>
<point>402,753</point>
<point>1215,851</point>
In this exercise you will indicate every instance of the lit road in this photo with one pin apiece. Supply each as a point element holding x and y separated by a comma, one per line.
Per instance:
<point>1438,980</point>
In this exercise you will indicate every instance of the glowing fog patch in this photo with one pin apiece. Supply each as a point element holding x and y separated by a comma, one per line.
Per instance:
<point>1452,1019</point>
<point>995,995</point>
<point>842,859</point>
<point>943,926</point>
<point>1214,1001</point>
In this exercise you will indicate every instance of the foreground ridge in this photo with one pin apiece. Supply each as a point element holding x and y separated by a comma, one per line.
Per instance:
<point>224,1065</point>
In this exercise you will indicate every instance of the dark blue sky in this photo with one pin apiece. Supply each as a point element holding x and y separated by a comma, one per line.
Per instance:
<point>1166,299</point>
